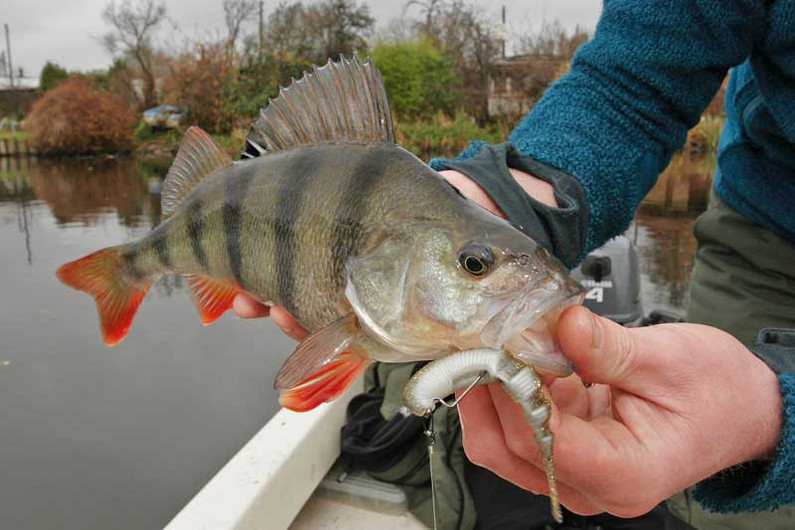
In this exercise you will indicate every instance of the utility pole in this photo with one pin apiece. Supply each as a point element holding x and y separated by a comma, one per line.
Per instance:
<point>261,29</point>
<point>10,64</point>
<point>504,38</point>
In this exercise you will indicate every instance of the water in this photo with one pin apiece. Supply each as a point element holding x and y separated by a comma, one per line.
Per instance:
<point>96,438</point>
<point>666,247</point>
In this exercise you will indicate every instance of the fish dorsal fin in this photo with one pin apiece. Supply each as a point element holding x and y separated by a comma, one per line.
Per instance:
<point>198,156</point>
<point>341,102</point>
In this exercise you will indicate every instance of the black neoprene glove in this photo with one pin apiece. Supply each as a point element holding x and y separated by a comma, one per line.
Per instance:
<point>776,347</point>
<point>560,230</point>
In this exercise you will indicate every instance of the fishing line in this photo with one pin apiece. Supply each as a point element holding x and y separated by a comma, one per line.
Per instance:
<point>431,435</point>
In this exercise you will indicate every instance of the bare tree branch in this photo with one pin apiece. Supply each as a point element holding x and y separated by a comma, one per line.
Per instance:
<point>131,37</point>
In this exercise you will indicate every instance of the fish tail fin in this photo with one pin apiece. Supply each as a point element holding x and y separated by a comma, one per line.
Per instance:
<point>117,295</point>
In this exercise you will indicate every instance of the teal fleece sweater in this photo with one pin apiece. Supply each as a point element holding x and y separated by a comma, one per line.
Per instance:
<point>633,92</point>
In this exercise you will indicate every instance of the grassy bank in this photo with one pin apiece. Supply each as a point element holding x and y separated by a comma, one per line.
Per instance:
<point>438,136</point>
<point>14,135</point>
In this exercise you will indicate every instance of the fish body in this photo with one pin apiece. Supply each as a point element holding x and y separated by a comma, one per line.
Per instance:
<point>365,245</point>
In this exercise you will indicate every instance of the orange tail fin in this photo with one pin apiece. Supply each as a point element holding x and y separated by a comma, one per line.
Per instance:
<point>102,275</point>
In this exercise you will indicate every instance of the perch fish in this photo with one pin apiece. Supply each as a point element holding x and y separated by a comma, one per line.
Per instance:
<point>364,244</point>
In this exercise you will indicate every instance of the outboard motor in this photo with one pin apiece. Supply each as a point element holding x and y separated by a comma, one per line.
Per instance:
<point>611,277</point>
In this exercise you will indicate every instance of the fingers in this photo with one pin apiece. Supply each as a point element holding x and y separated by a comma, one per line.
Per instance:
<point>470,189</point>
<point>288,324</point>
<point>485,445</point>
<point>247,307</point>
<point>605,352</point>
<point>591,455</point>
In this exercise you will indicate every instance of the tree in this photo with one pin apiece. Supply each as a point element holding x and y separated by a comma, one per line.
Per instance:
<point>431,9</point>
<point>132,38</point>
<point>552,39</point>
<point>418,77</point>
<point>51,75</point>
<point>344,25</point>
<point>235,13</point>
<point>466,36</point>
<point>314,33</point>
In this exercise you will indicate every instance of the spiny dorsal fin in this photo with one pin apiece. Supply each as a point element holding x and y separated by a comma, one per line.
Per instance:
<point>339,102</point>
<point>198,156</point>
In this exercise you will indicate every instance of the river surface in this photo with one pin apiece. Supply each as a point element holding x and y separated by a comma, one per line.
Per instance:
<point>97,438</point>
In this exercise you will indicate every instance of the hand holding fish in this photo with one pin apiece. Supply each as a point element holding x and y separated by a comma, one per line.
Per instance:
<point>672,405</point>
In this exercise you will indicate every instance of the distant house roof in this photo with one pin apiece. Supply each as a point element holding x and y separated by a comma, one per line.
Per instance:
<point>20,83</point>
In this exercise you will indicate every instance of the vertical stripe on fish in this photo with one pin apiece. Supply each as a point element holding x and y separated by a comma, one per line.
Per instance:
<point>235,192</point>
<point>291,196</point>
<point>351,212</point>
<point>195,225</point>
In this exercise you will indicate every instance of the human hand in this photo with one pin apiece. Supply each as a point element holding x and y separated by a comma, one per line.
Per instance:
<point>673,405</point>
<point>245,306</point>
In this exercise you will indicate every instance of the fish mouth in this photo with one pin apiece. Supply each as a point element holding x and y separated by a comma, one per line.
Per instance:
<point>527,327</point>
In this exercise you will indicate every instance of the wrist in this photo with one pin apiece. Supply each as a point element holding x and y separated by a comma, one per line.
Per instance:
<point>769,414</point>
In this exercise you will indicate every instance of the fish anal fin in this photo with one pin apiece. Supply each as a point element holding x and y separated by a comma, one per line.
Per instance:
<point>198,156</point>
<point>341,102</point>
<point>117,296</point>
<point>213,297</point>
<point>327,383</point>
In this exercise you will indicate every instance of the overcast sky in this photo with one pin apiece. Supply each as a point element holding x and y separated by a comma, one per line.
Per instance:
<point>66,31</point>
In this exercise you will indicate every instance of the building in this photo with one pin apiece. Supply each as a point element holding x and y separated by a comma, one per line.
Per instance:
<point>517,82</point>
<point>16,100</point>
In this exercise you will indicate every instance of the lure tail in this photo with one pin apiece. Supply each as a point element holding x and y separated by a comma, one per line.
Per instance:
<point>103,275</point>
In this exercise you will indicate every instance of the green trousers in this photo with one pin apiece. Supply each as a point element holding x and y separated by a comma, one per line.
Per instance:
<point>743,280</point>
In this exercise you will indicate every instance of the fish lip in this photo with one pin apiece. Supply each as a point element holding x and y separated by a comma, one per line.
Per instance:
<point>528,307</point>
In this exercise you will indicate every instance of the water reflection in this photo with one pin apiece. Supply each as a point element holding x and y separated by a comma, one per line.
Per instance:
<point>110,438</point>
<point>666,247</point>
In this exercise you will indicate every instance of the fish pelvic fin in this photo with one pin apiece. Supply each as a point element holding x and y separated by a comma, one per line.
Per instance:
<point>341,102</point>
<point>325,384</point>
<point>198,157</point>
<point>213,297</point>
<point>322,367</point>
<point>117,294</point>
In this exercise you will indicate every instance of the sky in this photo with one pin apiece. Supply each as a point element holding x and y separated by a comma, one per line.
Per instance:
<point>67,32</point>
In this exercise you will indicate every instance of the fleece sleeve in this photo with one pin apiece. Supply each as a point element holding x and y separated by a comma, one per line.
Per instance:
<point>758,486</point>
<point>632,93</point>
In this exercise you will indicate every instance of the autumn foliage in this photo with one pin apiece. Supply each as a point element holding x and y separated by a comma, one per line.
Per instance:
<point>76,117</point>
<point>203,82</point>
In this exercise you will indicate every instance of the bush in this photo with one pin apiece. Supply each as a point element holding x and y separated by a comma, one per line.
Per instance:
<point>204,82</point>
<point>418,77</point>
<point>76,117</point>
<point>144,132</point>
<point>442,137</point>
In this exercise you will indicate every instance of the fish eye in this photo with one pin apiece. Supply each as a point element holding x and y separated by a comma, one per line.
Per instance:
<point>476,259</point>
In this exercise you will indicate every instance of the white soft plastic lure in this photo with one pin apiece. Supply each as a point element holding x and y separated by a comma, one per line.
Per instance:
<point>442,377</point>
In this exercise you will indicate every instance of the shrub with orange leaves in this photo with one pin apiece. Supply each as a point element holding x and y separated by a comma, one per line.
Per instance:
<point>76,117</point>
<point>203,82</point>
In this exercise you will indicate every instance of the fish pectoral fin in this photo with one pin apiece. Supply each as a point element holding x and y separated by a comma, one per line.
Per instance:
<point>213,297</point>
<point>322,366</point>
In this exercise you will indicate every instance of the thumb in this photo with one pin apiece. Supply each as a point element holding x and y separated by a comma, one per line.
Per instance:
<point>601,350</point>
